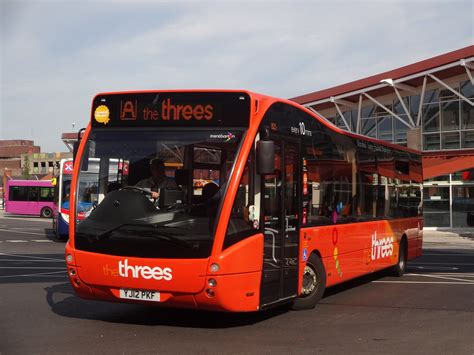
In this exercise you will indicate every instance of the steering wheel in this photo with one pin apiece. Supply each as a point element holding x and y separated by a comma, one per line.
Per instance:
<point>139,189</point>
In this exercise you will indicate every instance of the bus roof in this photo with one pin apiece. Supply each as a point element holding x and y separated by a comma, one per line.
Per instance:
<point>43,183</point>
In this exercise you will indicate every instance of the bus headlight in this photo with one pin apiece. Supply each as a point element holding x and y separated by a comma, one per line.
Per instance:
<point>214,267</point>
<point>69,258</point>
<point>212,282</point>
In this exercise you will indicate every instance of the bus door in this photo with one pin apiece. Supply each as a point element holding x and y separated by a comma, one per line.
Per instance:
<point>280,215</point>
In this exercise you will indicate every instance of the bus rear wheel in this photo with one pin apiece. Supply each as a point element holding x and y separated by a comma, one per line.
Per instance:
<point>46,212</point>
<point>399,268</point>
<point>314,284</point>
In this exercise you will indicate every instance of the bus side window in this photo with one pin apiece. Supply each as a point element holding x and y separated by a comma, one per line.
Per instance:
<point>46,194</point>
<point>18,193</point>
<point>33,193</point>
<point>331,178</point>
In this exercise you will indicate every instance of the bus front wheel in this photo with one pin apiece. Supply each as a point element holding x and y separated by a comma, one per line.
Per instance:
<point>314,284</point>
<point>46,212</point>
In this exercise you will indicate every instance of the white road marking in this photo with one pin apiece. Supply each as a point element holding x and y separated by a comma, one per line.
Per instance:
<point>49,274</point>
<point>441,277</point>
<point>25,241</point>
<point>25,228</point>
<point>439,268</point>
<point>25,219</point>
<point>30,257</point>
<point>424,282</point>
<point>421,264</point>
<point>33,261</point>
<point>32,267</point>
<point>447,254</point>
<point>21,232</point>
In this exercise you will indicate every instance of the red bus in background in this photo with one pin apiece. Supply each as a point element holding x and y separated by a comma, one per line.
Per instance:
<point>30,197</point>
<point>261,203</point>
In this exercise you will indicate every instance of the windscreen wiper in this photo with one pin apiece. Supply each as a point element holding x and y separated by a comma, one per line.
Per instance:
<point>149,234</point>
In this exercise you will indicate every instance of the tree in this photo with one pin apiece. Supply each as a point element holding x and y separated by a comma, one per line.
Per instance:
<point>25,171</point>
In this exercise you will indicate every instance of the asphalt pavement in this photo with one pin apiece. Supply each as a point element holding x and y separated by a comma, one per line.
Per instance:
<point>428,311</point>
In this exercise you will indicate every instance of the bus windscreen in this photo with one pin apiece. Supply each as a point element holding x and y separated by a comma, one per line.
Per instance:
<point>156,193</point>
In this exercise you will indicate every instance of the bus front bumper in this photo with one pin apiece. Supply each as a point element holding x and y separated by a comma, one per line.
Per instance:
<point>237,292</point>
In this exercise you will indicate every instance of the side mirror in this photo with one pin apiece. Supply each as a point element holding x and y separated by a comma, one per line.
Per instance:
<point>265,157</point>
<point>75,149</point>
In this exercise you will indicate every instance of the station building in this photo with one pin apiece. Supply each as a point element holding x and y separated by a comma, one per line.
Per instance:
<point>428,106</point>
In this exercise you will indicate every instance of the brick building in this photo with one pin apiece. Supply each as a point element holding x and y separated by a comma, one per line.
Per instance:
<point>10,154</point>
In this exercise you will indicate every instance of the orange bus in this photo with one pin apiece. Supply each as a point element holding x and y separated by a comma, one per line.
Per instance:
<point>261,203</point>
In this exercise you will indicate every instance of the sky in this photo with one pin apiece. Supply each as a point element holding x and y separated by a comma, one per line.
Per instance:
<point>55,56</point>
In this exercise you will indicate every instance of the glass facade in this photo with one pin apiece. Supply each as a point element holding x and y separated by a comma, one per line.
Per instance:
<point>448,200</point>
<point>447,122</point>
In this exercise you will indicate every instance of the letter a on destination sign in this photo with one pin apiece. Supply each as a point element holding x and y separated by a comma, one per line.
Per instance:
<point>128,110</point>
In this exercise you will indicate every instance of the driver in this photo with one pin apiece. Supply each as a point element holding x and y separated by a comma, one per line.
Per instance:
<point>157,180</point>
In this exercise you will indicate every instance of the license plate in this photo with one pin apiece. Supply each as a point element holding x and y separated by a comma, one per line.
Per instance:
<point>142,295</point>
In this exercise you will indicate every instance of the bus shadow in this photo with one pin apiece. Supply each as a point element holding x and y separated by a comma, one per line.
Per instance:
<point>63,302</point>
<point>354,283</point>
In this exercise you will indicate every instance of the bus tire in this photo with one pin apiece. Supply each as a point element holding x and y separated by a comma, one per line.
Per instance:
<point>399,268</point>
<point>46,212</point>
<point>314,284</point>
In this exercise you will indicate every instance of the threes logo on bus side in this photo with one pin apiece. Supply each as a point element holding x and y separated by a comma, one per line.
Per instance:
<point>381,248</point>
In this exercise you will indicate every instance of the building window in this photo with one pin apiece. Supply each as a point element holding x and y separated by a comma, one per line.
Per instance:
<point>467,89</point>
<point>368,111</point>
<point>400,131</point>
<point>467,114</point>
<point>385,128</point>
<point>414,105</point>
<point>467,139</point>
<point>450,140</point>
<point>339,121</point>
<point>368,127</point>
<point>449,115</point>
<point>431,118</point>
<point>431,96</point>
<point>431,141</point>
<point>444,112</point>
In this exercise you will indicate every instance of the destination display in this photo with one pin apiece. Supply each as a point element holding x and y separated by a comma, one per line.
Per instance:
<point>177,109</point>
